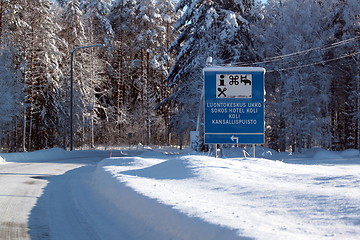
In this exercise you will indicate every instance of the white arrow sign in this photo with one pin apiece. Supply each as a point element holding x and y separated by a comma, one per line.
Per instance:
<point>235,138</point>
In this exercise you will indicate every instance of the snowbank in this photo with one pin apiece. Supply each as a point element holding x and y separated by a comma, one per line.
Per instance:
<point>255,197</point>
<point>350,153</point>
<point>145,218</point>
<point>42,155</point>
<point>53,154</point>
<point>323,154</point>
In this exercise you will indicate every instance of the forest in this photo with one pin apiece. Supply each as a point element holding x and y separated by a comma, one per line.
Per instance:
<point>137,69</point>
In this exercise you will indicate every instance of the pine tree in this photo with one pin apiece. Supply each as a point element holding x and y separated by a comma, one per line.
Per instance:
<point>151,68</point>
<point>42,82</point>
<point>219,29</point>
<point>161,63</point>
<point>294,120</point>
<point>62,3</point>
<point>85,68</point>
<point>11,96</point>
<point>140,64</point>
<point>343,27</point>
<point>99,26</point>
<point>72,28</point>
<point>304,118</point>
<point>122,17</point>
<point>308,101</point>
<point>99,31</point>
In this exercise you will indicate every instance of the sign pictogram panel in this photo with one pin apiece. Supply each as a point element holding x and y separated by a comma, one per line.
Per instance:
<point>234,85</point>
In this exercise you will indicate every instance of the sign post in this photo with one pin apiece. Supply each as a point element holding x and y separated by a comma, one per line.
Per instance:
<point>234,105</point>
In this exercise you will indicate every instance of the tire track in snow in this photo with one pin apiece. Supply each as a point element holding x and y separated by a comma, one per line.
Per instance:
<point>57,214</point>
<point>18,193</point>
<point>21,184</point>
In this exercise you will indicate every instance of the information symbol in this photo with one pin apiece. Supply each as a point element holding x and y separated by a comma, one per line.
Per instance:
<point>222,80</point>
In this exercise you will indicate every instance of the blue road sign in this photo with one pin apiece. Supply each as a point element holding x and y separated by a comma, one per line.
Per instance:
<point>234,105</point>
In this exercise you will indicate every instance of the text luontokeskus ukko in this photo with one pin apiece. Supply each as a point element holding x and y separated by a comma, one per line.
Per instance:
<point>234,112</point>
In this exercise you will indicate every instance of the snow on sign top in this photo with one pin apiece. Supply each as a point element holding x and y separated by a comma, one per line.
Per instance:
<point>234,69</point>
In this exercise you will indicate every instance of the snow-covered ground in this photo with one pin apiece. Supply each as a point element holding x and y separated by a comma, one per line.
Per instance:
<point>171,194</point>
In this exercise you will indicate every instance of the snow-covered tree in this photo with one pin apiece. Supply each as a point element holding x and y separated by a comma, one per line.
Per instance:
<point>303,47</point>
<point>122,19</point>
<point>99,26</point>
<point>309,48</point>
<point>291,28</point>
<point>342,30</point>
<point>141,63</point>
<point>98,30</point>
<point>72,26</point>
<point>86,65</point>
<point>10,94</point>
<point>62,3</point>
<point>217,29</point>
<point>42,82</point>
<point>152,63</point>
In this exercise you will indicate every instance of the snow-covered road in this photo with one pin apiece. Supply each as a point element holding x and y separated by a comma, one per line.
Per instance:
<point>37,197</point>
<point>55,194</point>
<point>62,212</point>
<point>21,185</point>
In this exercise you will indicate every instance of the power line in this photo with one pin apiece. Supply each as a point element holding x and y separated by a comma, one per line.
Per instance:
<point>303,52</point>
<point>298,53</point>
<point>312,64</point>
